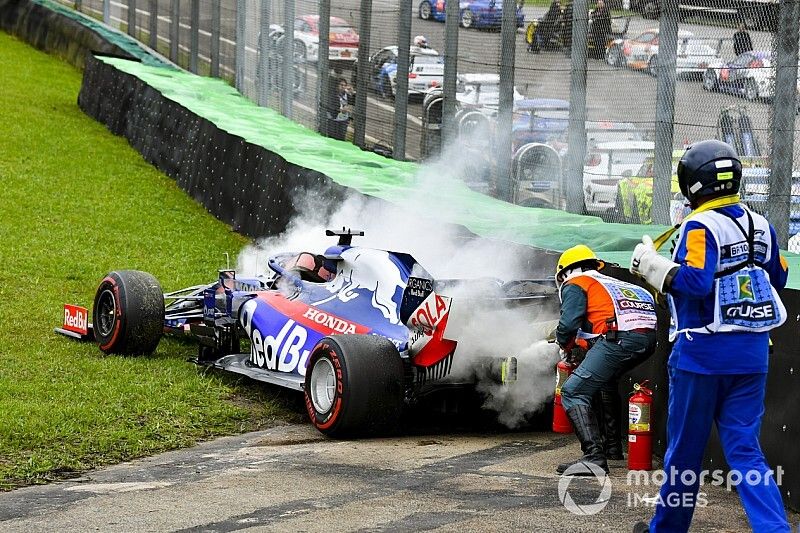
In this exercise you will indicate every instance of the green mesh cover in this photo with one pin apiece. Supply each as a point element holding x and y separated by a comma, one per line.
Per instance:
<point>401,183</point>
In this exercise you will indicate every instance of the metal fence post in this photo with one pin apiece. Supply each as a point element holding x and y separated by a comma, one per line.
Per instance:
<point>508,36</point>
<point>264,51</point>
<point>215,35</point>
<point>401,96</point>
<point>576,137</point>
<point>174,28</point>
<point>362,77</point>
<point>323,65</point>
<point>132,18</point>
<point>665,110</point>
<point>194,43</point>
<point>153,24</point>
<point>241,19</point>
<point>106,11</point>
<point>449,103</point>
<point>287,70</point>
<point>784,106</point>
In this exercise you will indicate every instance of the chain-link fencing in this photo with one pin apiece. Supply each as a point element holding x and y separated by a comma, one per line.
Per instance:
<point>583,105</point>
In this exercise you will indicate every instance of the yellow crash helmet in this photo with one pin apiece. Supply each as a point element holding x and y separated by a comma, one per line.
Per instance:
<point>573,256</point>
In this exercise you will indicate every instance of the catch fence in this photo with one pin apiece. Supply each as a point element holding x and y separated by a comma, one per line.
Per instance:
<point>579,105</point>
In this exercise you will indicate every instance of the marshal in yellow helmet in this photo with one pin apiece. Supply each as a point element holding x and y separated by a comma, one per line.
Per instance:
<point>573,256</point>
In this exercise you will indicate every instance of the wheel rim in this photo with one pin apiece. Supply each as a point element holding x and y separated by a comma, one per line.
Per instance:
<point>708,80</point>
<point>614,57</point>
<point>106,313</point>
<point>323,385</point>
<point>425,11</point>
<point>466,19</point>
<point>751,93</point>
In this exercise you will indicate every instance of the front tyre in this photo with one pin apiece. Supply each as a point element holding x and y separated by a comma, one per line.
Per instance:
<point>751,89</point>
<point>128,313</point>
<point>467,19</point>
<point>354,385</point>
<point>425,10</point>
<point>615,57</point>
<point>710,80</point>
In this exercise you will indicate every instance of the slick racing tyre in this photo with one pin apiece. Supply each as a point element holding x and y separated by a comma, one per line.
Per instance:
<point>354,385</point>
<point>128,314</point>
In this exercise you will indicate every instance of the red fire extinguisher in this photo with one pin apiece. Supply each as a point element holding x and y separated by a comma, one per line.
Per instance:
<point>640,434</point>
<point>561,423</point>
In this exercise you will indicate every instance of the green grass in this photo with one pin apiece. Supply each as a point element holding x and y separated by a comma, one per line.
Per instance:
<point>76,202</point>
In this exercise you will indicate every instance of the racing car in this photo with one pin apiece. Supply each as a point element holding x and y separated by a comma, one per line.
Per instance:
<point>343,39</point>
<point>360,331</point>
<point>472,13</point>
<point>425,70</point>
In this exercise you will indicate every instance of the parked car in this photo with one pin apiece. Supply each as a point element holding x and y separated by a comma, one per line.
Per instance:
<point>750,75</point>
<point>606,165</point>
<point>343,39</point>
<point>540,120</point>
<point>641,52</point>
<point>540,149</point>
<point>472,13</point>
<point>475,92</point>
<point>426,69</point>
<point>757,14</point>
<point>755,193</point>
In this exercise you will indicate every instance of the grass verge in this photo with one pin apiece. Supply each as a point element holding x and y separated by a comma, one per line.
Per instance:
<point>76,203</point>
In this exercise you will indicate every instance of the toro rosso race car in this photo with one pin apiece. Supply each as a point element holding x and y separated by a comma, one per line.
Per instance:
<point>360,331</point>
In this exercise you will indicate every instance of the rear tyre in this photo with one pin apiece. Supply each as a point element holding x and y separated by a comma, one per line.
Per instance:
<point>128,314</point>
<point>354,386</point>
<point>467,19</point>
<point>750,90</point>
<point>652,66</point>
<point>709,80</point>
<point>425,10</point>
<point>300,54</point>
<point>386,88</point>
<point>650,9</point>
<point>614,56</point>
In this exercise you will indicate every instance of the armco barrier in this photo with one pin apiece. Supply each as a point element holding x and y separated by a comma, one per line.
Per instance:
<point>252,189</point>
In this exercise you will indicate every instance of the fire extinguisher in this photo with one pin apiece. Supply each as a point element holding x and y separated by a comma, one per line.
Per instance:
<point>561,423</point>
<point>640,434</point>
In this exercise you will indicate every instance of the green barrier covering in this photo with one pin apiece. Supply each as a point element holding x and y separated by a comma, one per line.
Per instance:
<point>123,41</point>
<point>401,183</point>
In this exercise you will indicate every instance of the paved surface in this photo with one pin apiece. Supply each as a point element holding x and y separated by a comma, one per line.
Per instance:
<point>292,478</point>
<point>613,94</point>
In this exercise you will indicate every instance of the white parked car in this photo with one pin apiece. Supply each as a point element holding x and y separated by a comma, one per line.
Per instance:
<point>695,54</point>
<point>606,165</point>
<point>481,92</point>
<point>750,75</point>
<point>343,39</point>
<point>475,92</point>
<point>426,70</point>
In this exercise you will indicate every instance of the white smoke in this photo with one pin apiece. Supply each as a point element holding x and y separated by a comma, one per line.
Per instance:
<point>481,326</point>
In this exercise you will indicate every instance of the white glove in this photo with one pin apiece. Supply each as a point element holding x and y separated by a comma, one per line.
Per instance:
<point>656,269</point>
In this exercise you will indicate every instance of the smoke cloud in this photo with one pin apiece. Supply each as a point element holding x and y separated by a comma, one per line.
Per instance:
<point>482,326</point>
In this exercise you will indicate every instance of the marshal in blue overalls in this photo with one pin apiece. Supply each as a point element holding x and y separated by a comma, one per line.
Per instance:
<point>722,285</point>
